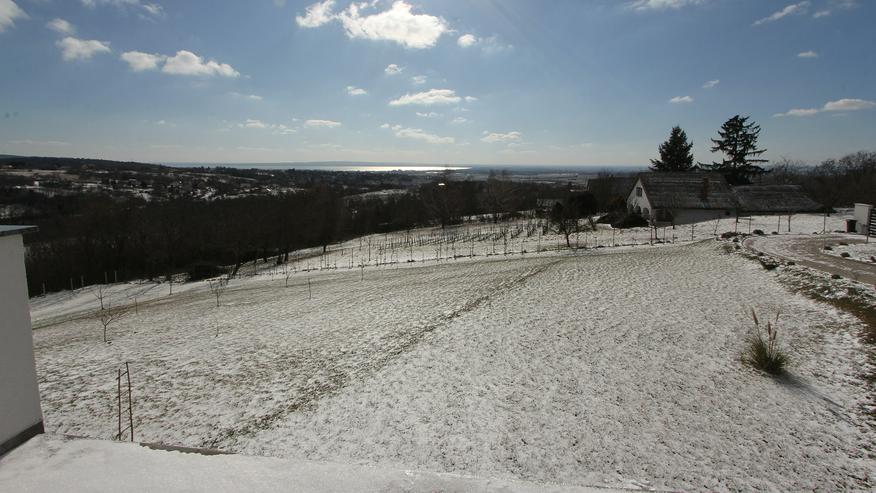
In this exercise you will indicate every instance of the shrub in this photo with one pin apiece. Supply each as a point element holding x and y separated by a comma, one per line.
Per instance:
<point>630,221</point>
<point>768,265</point>
<point>728,235</point>
<point>872,258</point>
<point>845,255</point>
<point>828,248</point>
<point>836,276</point>
<point>204,270</point>
<point>762,349</point>
<point>758,232</point>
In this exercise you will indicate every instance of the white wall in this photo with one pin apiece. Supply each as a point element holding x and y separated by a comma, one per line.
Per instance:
<point>640,204</point>
<point>19,394</point>
<point>862,215</point>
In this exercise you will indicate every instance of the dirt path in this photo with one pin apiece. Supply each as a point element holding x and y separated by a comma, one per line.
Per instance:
<point>807,250</point>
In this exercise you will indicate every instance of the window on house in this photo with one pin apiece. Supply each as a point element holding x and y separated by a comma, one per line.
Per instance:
<point>638,191</point>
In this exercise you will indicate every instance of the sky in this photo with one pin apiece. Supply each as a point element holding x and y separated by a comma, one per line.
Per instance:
<point>560,82</point>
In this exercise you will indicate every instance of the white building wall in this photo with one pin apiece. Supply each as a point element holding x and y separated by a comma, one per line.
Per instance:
<point>639,203</point>
<point>19,394</point>
<point>862,216</point>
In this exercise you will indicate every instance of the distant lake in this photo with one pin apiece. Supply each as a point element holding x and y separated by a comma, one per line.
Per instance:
<point>363,167</point>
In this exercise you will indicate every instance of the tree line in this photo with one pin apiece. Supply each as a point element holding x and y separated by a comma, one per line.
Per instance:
<point>90,238</point>
<point>833,183</point>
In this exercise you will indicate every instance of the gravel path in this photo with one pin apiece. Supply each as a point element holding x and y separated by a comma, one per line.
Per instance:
<point>808,250</point>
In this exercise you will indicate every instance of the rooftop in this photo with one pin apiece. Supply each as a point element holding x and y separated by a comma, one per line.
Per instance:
<point>9,230</point>
<point>774,198</point>
<point>692,190</point>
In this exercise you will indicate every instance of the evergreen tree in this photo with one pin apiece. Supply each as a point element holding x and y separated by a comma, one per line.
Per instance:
<point>675,153</point>
<point>738,141</point>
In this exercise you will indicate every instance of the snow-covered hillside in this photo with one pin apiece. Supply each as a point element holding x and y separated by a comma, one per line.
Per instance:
<point>600,367</point>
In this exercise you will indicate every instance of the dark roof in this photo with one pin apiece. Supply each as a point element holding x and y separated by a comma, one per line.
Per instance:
<point>16,230</point>
<point>693,190</point>
<point>774,198</point>
<point>614,185</point>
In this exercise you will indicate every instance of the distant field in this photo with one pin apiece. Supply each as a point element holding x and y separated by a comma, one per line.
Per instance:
<point>615,366</point>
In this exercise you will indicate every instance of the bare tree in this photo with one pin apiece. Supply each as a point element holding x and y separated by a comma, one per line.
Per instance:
<point>217,287</point>
<point>565,217</point>
<point>109,316</point>
<point>101,293</point>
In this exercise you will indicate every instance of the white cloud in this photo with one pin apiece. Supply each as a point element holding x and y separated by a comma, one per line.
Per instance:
<point>61,26</point>
<point>322,123</point>
<point>147,10</point>
<point>495,137</point>
<point>39,142</point>
<point>467,40</point>
<point>317,14</point>
<point>356,91</point>
<point>140,61</point>
<point>792,9</point>
<point>250,97</point>
<point>849,105</point>
<point>661,4</point>
<point>807,54</point>
<point>681,100</point>
<point>254,124</point>
<point>153,9</point>
<point>798,112</point>
<point>839,105</point>
<point>276,128</point>
<point>418,80</point>
<point>428,98</point>
<point>489,46</point>
<point>430,114</point>
<point>393,69</point>
<point>417,134</point>
<point>470,99</point>
<point>9,11</point>
<point>820,14</point>
<point>81,49</point>
<point>187,63</point>
<point>710,84</point>
<point>398,24</point>
<point>459,120</point>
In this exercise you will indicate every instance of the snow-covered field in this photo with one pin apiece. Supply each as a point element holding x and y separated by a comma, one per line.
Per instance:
<point>616,366</point>
<point>82,465</point>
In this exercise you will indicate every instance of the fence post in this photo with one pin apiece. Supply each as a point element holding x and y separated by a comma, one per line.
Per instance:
<point>130,402</point>
<point>119,394</point>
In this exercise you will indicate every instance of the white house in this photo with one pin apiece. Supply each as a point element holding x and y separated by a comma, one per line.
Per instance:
<point>865,218</point>
<point>681,198</point>
<point>20,414</point>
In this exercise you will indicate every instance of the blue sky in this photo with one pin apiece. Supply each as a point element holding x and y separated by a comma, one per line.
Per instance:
<point>446,82</point>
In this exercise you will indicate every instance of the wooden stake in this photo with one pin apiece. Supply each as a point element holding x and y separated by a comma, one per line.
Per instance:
<point>130,402</point>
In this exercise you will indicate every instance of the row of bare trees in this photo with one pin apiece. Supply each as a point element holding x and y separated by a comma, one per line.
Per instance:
<point>87,238</point>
